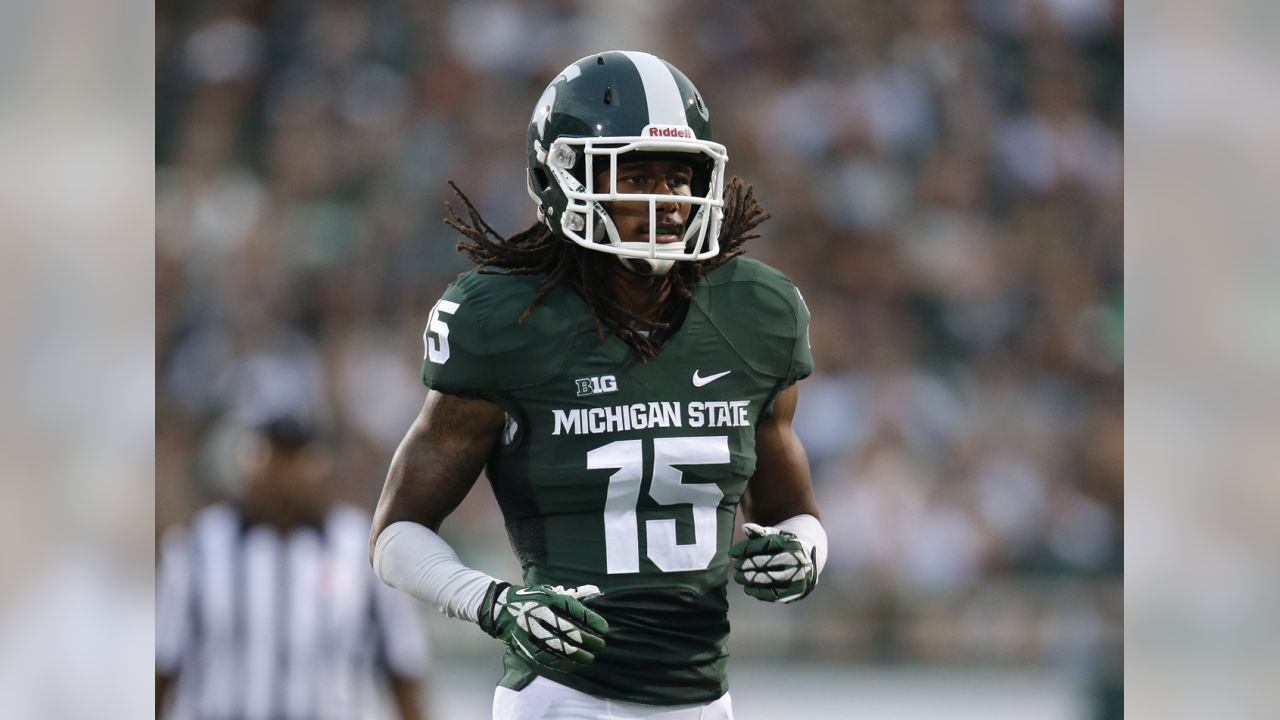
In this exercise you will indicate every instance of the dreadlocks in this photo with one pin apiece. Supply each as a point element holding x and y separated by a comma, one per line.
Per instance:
<point>536,251</point>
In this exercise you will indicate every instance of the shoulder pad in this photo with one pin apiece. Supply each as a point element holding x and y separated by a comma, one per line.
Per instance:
<point>474,345</point>
<point>762,315</point>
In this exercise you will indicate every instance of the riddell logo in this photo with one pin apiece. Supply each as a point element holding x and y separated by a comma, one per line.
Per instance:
<point>668,131</point>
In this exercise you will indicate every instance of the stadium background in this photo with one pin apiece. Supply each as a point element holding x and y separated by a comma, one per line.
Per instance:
<point>945,179</point>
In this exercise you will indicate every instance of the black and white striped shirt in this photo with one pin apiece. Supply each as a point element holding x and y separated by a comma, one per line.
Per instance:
<point>262,624</point>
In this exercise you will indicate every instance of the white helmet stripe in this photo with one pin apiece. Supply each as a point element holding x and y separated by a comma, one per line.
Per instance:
<point>666,107</point>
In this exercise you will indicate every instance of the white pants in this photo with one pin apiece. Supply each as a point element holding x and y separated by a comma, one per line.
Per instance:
<point>545,699</point>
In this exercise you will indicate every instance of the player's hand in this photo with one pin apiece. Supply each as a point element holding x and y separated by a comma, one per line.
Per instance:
<point>773,565</point>
<point>547,625</point>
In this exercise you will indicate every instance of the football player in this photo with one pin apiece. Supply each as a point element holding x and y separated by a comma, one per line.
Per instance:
<point>628,379</point>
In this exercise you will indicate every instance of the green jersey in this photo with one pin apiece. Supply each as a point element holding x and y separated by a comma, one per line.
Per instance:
<point>621,473</point>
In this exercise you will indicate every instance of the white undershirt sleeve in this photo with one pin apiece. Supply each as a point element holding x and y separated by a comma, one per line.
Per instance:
<point>412,558</point>
<point>808,529</point>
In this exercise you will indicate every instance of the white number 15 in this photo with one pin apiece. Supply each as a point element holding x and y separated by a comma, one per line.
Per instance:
<point>438,350</point>
<point>621,525</point>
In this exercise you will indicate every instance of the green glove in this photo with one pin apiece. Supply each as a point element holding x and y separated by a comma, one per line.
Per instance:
<point>547,625</point>
<point>773,565</point>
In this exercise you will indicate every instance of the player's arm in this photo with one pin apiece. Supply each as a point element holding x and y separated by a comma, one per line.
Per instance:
<point>786,546</point>
<point>434,468</point>
<point>438,461</point>
<point>780,487</point>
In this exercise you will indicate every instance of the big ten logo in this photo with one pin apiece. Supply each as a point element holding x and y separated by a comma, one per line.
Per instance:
<point>597,385</point>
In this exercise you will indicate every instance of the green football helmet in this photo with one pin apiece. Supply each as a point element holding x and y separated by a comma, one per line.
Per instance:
<point>606,105</point>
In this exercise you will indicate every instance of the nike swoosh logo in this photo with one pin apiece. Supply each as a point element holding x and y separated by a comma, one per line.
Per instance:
<point>699,381</point>
<point>524,592</point>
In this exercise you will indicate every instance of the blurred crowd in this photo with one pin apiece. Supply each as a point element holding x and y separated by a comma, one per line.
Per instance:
<point>945,180</point>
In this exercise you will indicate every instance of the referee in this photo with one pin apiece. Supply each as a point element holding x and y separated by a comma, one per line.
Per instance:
<point>267,607</point>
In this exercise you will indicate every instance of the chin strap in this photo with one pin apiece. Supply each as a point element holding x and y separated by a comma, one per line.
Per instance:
<point>645,266</point>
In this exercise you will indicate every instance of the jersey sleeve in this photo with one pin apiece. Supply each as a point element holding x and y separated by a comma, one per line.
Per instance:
<point>761,313</point>
<point>456,358</point>
<point>478,341</point>
<point>802,352</point>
